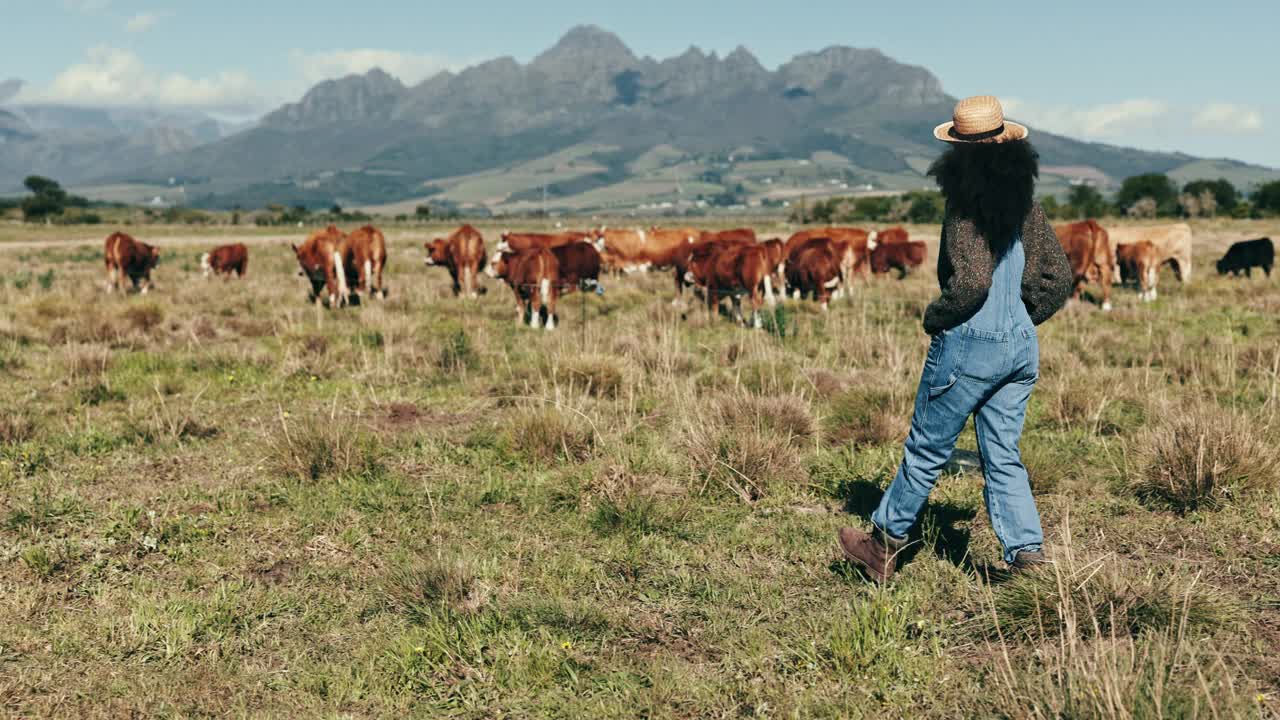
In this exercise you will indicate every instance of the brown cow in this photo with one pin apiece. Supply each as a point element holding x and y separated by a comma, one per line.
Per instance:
<point>127,257</point>
<point>890,236</point>
<point>1088,247</point>
<point>226,259</point>
<point>463,254</point>
<point>636,250</point>
<point>1140,263</point>
<point>321,259</point>
<point>814,271</point>
<point>900,256</point>
<point>858,242</point>
<point>687,254</point>
<point>734,269</point>
<point>1172,243</point>
<point>734,235</point>
<point>533,276</point>
<point>517,242</point>
<point>579,267</point>
<point>366,256</point>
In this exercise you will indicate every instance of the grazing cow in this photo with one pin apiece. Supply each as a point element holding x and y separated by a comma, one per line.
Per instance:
<point>1244,256</point>
<point>1172,242</point>
<point>579,267</point>
<point>226,259</point>
<point>366,256</point>
<point>1088,247</point>
<point>734,235</point>
<point>775,251</point>
<point>706,244</point>
<point>533,276</point>
<point>517,242</point>
<point>858,242</point>
<point>321,259</point>
<point>634,250</point>
<point>463,254</point>
<point>127,257</point>
<point>814,271</point>
<point>1139,263</point>
<point>900,256</point>
<point>734,269</point>
<point>892,236</point>
<point>843,252</point>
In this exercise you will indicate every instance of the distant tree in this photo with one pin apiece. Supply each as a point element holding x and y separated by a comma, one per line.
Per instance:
<point>1144,208</point>
<point>821,212</point>
<point>1190,205</point>
<point>1225,194</point>
<point>925,207</point>
<point>336,210</point>
<point>1087,202</point>
<point>423,213</point>
<point>1266,198</point>
<point>1156,186</point>
<point>47,199</point>
<point>1050,205</point>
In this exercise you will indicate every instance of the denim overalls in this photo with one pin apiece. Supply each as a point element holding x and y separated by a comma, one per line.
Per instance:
<point>985,367</point>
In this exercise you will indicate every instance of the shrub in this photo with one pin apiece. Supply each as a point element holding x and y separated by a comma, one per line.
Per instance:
<point>787,416</point>
<point>1201,457</point>
<point>738,451</point>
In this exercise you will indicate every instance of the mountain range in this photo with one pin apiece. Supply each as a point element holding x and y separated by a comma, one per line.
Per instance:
<point>586,125</point>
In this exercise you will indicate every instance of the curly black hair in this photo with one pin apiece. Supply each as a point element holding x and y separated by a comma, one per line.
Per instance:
<point>992,184</point>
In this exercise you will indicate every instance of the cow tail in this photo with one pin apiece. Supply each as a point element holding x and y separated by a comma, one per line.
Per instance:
<point>871,240</point>
<point>204,264</point>
<point>544,291</point>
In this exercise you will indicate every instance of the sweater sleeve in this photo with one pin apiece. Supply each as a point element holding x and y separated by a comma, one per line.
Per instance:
<point>964,272</point>
<point>1048,281</point>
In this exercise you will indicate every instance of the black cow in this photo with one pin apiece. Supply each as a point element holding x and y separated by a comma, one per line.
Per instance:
<point>1246,255</point>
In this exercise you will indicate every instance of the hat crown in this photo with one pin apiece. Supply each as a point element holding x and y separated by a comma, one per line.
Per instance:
<point>980,114</point>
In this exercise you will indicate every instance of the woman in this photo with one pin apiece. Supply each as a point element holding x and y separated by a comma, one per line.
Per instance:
<point>1002,272</point>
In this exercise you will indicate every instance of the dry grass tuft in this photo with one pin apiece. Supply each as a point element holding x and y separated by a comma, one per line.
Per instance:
<point>750,446</point>
<point>600,376</point>
<point>320,447</point>
<point>787,416</point>
<point>1201,456</point>
<point>868,416</point>
<point>547,434</point>
<point>143,317</point>
<point>422,589</point>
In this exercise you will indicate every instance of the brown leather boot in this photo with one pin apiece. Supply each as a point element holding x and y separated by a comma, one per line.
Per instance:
<point>875,552</point>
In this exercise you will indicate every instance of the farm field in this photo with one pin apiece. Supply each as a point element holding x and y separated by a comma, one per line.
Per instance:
<point>219,500</point>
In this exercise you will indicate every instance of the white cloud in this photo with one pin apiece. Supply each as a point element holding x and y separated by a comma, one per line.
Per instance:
<point>116,77</point>
<point>143,22</point>
<point>1090,122</point>
<point>1228,118</point>
<point>410,68</point>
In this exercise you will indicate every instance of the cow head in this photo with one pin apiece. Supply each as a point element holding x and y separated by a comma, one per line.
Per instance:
<point>152,259</point>
<point>311,268</point>
<point>437,251</point>
<point>1222,266</point>
<point>497,265</point>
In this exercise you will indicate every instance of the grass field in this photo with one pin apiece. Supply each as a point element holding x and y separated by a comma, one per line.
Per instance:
<point>217,500</point>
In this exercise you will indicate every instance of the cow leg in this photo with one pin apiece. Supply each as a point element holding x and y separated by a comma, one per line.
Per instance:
<point>1104,276</point>
<point>110,283</point>
<point>551,310</point>
<point>756,303</point>
<point>768,291</point>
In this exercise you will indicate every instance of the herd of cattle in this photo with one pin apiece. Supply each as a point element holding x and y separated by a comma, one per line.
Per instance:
<point>820,263</point>
<point>1134,255</point>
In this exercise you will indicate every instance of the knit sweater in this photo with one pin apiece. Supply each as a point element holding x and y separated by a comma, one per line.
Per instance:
<point>965,265</point>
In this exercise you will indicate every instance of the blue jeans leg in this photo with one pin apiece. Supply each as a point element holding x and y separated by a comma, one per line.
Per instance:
<point>1007,490</point>
<point>941,413</point>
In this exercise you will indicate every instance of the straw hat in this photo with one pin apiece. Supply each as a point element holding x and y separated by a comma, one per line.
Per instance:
<point>979,120</point>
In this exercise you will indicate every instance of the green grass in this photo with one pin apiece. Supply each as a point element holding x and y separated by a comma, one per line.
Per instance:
<point>217,500</point>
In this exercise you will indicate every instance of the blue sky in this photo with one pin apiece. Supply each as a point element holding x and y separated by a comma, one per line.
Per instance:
<point>1196,77</point>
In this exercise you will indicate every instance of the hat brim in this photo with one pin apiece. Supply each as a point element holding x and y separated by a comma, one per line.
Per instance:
<point>1012,131</point>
